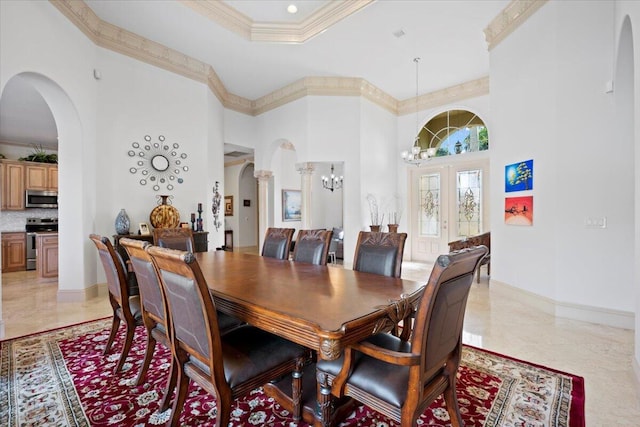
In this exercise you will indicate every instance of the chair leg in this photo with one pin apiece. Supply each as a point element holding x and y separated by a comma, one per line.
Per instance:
<point>171,385</point>
<point>296,390</point>
<point>478,279</point>
<point>148,354</point>
<point>115,325</point>
<point>453,409</point>
<point>181,395</point>
<point>131,329</point>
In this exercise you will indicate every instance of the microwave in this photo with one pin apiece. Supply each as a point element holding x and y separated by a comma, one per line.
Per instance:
<point>41,199</point>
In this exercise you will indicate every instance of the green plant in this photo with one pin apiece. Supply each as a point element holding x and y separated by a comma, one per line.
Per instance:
<point>40,155</point>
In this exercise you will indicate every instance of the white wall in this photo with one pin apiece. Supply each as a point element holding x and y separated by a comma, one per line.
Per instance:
<point>548,103</point>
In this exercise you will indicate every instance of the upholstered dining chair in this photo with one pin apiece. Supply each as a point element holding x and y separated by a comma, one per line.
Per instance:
<point>277,242</point>
<point>126,307</point>
<point>174,238</point>
<point>154,314</point>
<point>401,378</point>
<point>312,246</point>
<point>379,253</point>
<point>226,366</point>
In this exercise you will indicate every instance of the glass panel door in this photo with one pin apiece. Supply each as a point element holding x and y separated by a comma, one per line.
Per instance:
<point>447,203</point>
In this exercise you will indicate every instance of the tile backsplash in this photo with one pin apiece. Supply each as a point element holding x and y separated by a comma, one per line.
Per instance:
<point>16,220</point>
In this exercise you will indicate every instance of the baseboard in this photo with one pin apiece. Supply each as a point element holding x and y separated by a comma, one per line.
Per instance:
<point>585,313</point>
<point>85,294</point>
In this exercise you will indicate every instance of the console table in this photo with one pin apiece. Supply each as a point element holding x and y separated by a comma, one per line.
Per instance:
<point>200,239</point>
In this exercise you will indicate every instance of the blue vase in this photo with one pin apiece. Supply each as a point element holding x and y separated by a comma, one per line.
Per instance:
<point>122,222</point>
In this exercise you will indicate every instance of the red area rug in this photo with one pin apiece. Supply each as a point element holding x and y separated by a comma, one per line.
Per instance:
<point>60,378</point>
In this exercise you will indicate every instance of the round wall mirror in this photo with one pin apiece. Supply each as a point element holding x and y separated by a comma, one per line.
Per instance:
<point>160,163</point>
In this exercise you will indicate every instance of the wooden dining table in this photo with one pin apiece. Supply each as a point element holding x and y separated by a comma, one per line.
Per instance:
<point>324,308</point>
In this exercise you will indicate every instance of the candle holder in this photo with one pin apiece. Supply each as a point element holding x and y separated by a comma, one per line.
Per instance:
<point>199,222</point>
<point>193,221</point>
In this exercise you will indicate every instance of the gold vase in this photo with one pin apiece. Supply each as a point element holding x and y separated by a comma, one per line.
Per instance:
<point>375,228</point>
<point>164,215</point>
<point>393,228</point>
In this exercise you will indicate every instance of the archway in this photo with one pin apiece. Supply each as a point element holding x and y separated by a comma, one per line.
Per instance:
<point>74,272</point>
<point>624,91</point>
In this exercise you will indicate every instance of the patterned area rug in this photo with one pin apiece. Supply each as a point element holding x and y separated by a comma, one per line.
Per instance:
<point>60,378</point>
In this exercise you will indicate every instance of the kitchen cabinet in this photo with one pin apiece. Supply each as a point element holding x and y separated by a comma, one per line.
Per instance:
<point>12,177</point>
<point>47,255</point>
<point>14,251</point>
<point>41,176</point>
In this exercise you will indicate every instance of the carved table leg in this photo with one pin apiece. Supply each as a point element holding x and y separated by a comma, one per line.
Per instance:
<point>324,411</point>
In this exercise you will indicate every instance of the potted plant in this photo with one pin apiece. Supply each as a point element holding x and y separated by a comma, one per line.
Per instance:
<point>40,155</point>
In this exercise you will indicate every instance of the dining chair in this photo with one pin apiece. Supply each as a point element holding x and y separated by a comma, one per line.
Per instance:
<point>277,242</point>
<point>226,366</point>
<point>126,307</point>
<point>379,253</point>
<point>154,314</point>
<point>401,378</point>
<point>174,238</point>
<point>312,246</point>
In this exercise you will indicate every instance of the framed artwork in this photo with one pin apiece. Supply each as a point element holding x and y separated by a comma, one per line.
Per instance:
<point>144,229</point>
<point>518,176</point>
<point>518,210</point>
<point>228,205</point>
<point>291,205</point>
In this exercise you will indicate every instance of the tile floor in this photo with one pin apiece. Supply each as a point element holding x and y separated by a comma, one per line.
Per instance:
<point>602,355</point>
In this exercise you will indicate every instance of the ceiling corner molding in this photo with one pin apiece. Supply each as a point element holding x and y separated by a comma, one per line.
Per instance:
<point>81,15</point>
<point>466,90</point>
<point>514,15</point>
<point>223,14</point>
<point>276,32</point>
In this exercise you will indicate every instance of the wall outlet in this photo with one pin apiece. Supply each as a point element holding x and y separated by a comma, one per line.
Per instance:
<point>595,222</point>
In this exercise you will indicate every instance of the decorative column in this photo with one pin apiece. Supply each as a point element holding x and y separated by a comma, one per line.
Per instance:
<point>263,204</point>
<point>306,174</point>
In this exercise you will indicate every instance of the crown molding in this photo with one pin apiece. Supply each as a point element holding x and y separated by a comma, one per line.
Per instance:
<point>471,89</point>
<point>514,15</point>
<point>276,32</point>
<point>128,43</point>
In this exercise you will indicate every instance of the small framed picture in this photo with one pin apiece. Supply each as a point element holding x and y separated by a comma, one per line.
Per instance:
<point>291,205</point>
<point>144,229</point>
<point>228,205</point>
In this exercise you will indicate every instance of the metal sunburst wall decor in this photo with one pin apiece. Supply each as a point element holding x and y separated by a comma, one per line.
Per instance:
<point>160,163</point>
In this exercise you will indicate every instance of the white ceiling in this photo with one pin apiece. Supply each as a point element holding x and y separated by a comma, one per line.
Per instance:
<point>447,35</point>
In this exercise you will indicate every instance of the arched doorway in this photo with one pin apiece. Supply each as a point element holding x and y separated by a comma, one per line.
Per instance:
<point>449,193</point>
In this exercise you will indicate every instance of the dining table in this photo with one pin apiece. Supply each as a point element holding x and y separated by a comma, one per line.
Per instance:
<point>322,307</point>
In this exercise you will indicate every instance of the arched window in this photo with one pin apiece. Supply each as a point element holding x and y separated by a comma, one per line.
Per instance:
<point>454,132</point>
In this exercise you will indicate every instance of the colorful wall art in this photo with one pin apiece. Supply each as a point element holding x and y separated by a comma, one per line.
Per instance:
<point>518,210</point>
<point>291,205</point>
<point>518,176</point>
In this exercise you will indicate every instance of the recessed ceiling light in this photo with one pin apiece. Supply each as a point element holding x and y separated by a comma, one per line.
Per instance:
<point>292,8</point>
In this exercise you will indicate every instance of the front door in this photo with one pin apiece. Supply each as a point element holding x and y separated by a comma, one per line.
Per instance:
<point>447,202</point>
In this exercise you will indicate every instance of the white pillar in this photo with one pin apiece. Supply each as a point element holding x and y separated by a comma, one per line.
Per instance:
<point>263,177</point>
<point>306,174</point>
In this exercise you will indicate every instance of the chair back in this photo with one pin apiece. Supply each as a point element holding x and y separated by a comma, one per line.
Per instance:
<point>192,313</point>
<point>277,242</point>
<point>437,330</point>
<point>148,282</point>
<point>174,238</point>
<point>379,253</point>
<point>114,269</point>
<point>312,246</point>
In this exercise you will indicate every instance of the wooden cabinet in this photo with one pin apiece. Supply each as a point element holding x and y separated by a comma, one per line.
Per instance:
<point>14,252</point>
<point>200,240</point>
<point>17,176</point>
<point>47,255</point>
<point>12,177</point>
<point>41,176</point>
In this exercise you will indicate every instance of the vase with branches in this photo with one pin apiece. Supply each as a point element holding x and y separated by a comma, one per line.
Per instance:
<point>376,219</point>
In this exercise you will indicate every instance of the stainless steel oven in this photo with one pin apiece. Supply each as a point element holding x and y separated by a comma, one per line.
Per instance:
<point>33,227</point>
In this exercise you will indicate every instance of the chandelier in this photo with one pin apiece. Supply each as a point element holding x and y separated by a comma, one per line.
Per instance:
<point>332,182</point>
<point>416,156</point>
